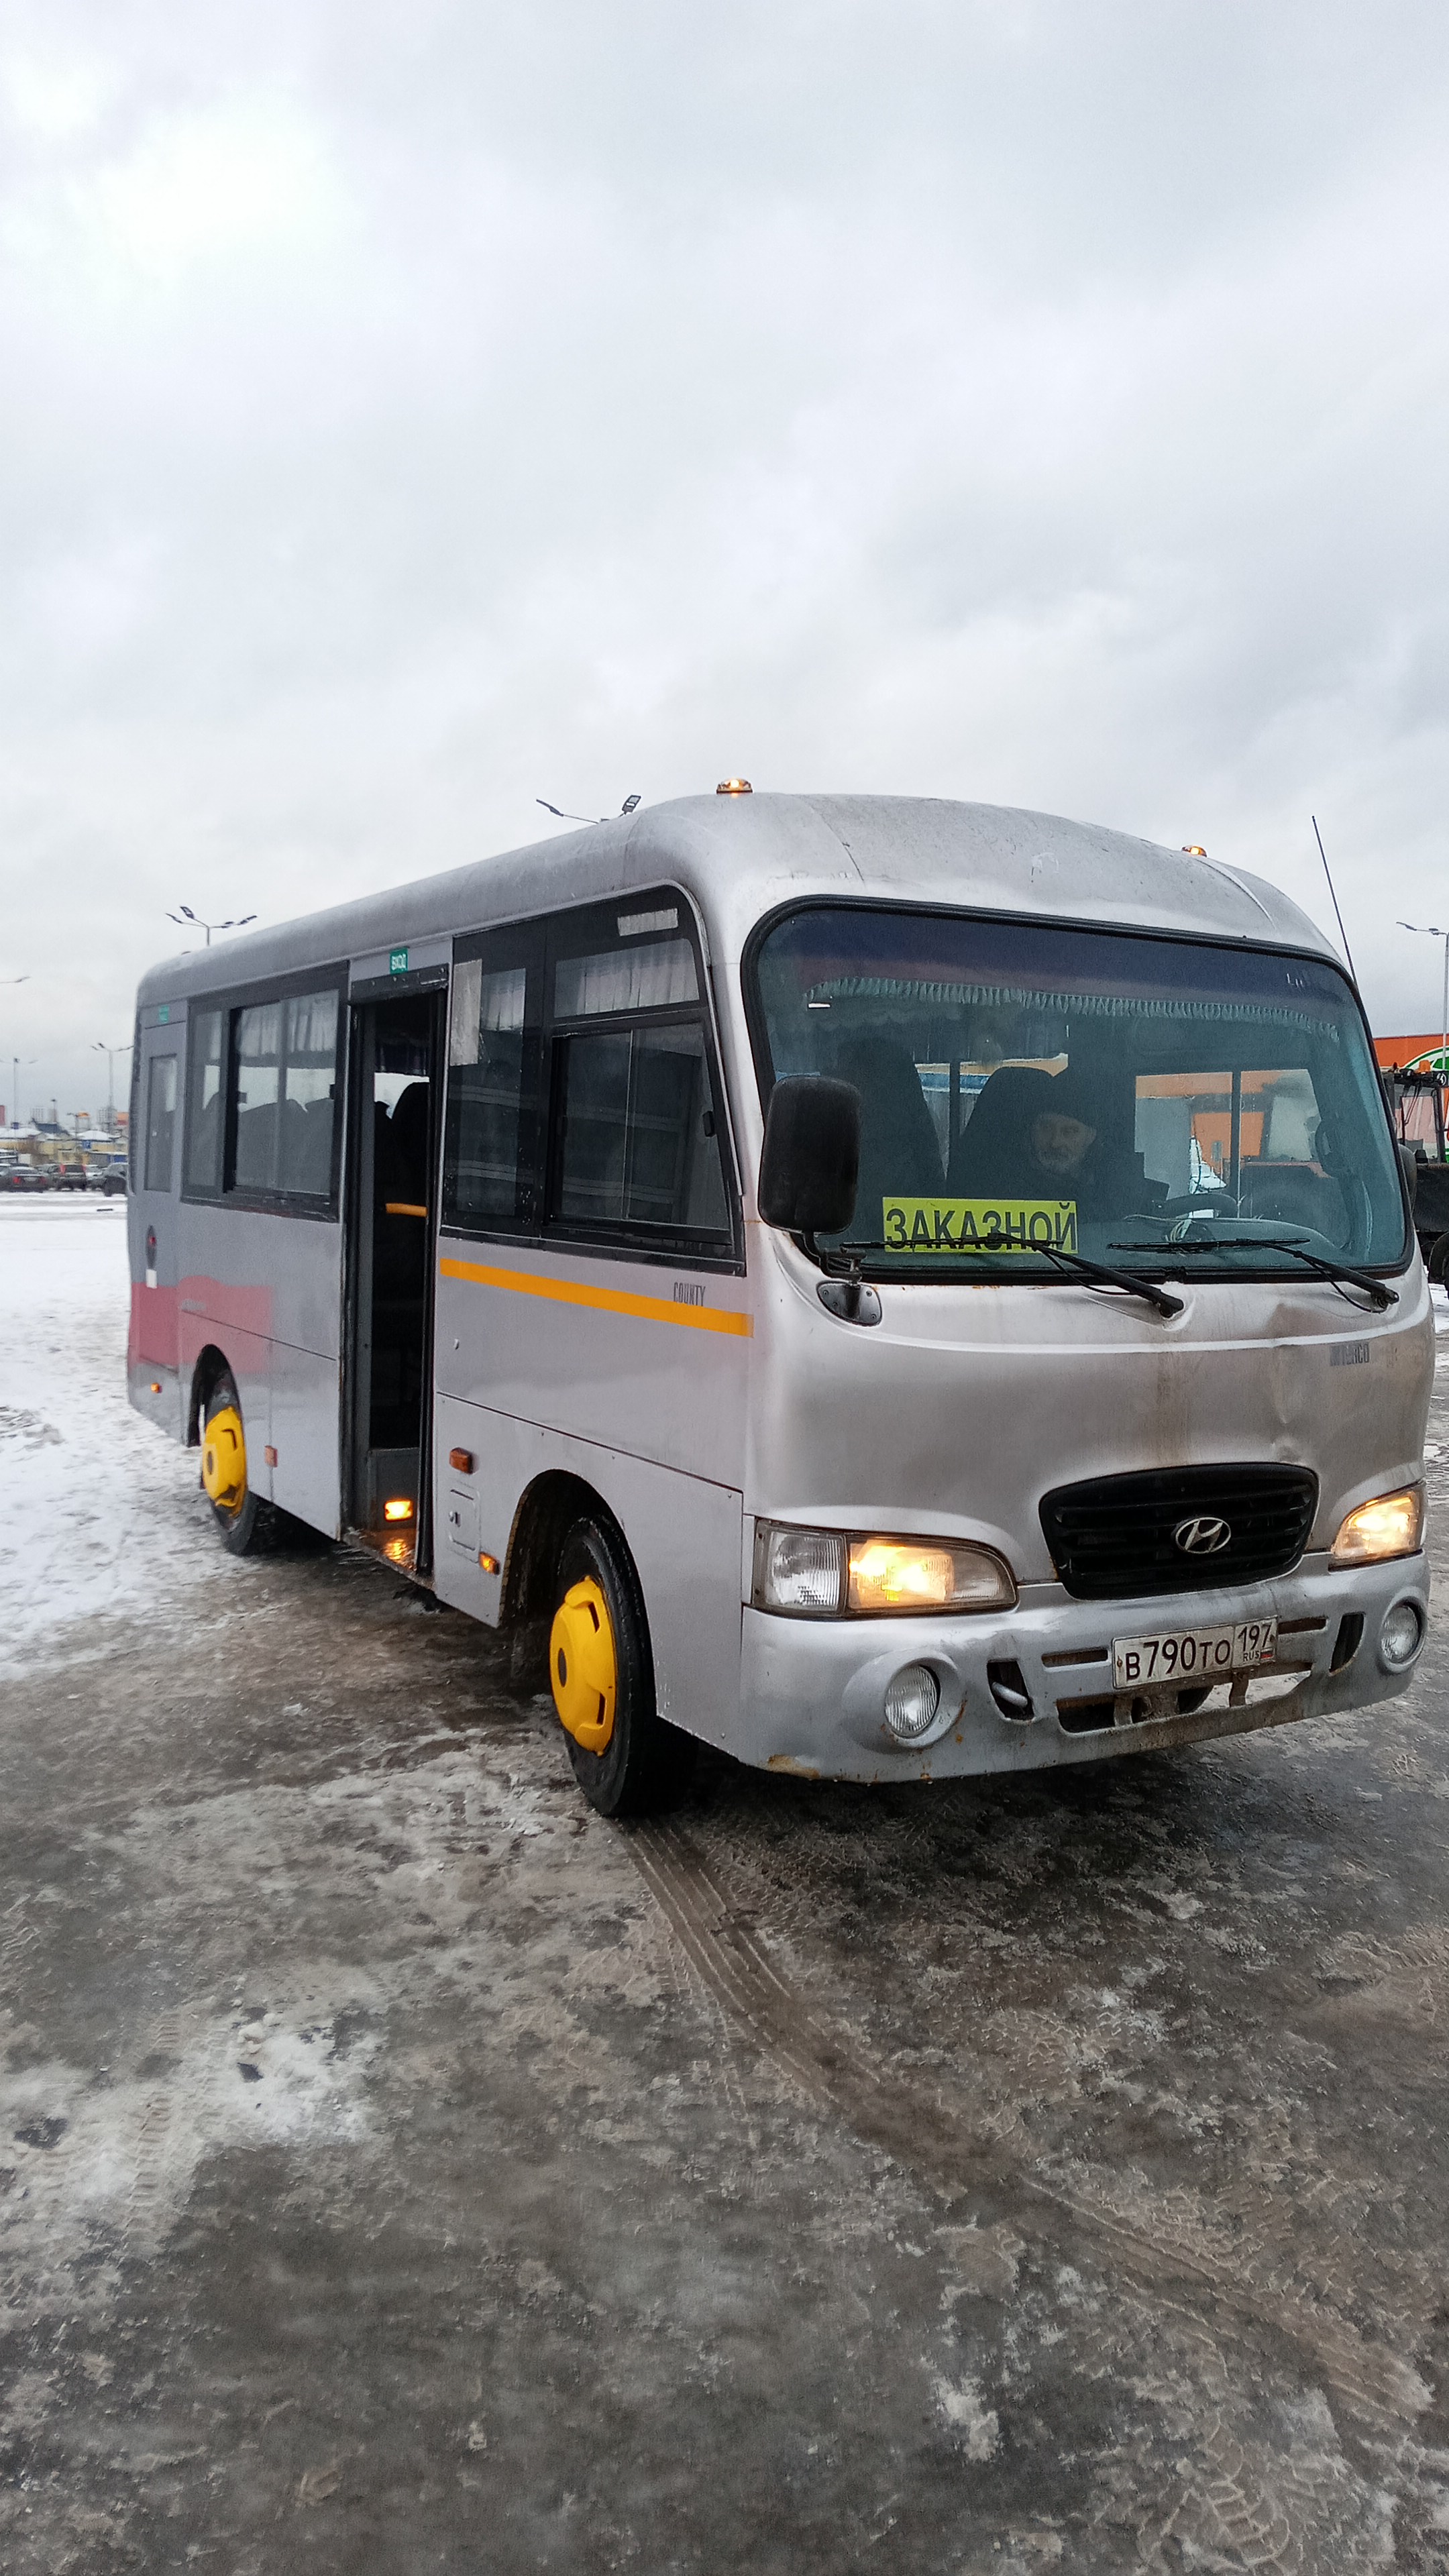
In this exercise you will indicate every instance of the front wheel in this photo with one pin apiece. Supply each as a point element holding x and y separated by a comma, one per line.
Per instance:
<point>244,1520</point>
<point>626,1759</point>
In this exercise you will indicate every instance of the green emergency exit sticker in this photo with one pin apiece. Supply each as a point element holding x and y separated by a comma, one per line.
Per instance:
<point>397,961</point>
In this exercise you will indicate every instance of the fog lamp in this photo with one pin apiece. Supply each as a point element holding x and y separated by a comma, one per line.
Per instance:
<point>912,1698</point>
<point>1391,1525</point>
<point>1401,1634</point>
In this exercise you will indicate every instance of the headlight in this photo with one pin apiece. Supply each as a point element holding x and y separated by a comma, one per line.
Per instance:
<point>1391,1525</point>
<point>799,1569</point>
<point>822,1574</point>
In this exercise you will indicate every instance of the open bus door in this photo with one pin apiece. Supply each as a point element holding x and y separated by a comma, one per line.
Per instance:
<point>398,1043</point>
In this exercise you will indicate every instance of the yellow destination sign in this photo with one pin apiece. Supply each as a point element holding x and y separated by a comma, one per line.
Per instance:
<point>980,1225</point>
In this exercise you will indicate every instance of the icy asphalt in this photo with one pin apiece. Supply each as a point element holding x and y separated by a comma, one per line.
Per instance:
<point>401,2169</point>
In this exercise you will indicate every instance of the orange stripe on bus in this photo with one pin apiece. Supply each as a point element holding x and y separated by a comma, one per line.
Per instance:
<point>610,1301</point>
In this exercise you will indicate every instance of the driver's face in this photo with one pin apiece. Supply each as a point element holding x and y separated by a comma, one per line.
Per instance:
<point>1060,1143</point>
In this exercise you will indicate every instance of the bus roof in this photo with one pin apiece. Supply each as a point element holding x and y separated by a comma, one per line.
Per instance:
<point>742,856</point>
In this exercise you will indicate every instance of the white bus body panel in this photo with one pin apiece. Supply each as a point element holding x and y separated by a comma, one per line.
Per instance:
<point>649,1410</point>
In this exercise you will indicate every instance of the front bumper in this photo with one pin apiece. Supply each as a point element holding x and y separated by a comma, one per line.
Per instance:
<point>812,1690</point>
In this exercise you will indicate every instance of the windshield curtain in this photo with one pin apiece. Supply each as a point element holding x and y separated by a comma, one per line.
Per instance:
<point>1026,1085</point>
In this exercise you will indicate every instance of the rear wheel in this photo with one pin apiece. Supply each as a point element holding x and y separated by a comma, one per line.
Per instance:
<point>625,1758</point>
<point>1439,1261</point>
<point>244,1520</point>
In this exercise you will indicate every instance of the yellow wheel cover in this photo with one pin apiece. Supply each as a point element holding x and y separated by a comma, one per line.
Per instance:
<point>582,1665</point>
<point>224,1460</point>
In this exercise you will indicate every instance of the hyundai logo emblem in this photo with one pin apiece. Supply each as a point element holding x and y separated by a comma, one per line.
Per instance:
<point>1202,1537</point>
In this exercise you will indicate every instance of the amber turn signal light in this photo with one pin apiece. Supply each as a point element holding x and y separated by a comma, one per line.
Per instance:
<point>461,1461</point>
<point>399,1509</point>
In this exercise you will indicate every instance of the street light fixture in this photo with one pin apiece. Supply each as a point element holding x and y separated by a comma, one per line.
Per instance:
<point>193,920</point>
<point>110,1053</point>
<point>1431,930</point>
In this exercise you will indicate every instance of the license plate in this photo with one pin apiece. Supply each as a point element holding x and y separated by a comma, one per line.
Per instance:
<point>1192,1654</point>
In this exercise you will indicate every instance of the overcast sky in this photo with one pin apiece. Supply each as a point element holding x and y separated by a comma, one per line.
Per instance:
<point>413,409</point>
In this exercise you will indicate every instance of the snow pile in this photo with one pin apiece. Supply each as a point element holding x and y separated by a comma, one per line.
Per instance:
<point>98,1511</point>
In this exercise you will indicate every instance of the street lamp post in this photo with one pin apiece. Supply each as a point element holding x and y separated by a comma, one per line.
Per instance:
<point>192,920</point>
<point>15,1065</point>
<point>1431,930</point>
<point>110,1053</point>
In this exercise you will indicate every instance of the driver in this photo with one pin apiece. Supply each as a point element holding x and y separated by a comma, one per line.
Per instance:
<point>1063,1133</point>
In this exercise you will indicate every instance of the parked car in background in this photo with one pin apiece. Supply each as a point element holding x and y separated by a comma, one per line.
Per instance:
<point>70,1176</point>
<point>112,1181</point>
<point>22,1176</point>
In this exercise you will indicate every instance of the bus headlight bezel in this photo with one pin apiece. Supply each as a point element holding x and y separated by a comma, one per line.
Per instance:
<point>1386,1526</point>
<point>804,1573</point>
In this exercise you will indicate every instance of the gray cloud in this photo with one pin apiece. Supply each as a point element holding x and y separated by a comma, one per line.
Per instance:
<point>410,412</point>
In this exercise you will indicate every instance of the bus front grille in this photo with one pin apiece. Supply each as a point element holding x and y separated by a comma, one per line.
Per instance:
<point>1118,1537</point>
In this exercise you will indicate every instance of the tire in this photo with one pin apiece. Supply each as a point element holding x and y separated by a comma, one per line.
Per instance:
<point>1439,1262</point>
<point>646,1764</point>
<point>246,1527</point>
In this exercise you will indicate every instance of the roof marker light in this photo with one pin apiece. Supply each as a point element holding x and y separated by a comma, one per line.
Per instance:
<point>734,787</point>
<point>1193,850</point>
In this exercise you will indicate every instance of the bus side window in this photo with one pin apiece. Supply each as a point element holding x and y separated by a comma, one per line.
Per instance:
<point>203,1103</point>
<point>580,1097</point>
<point>283,1096</point>
<point>493,1057</point>
<point>637,1138</point>
<point>160,1122</point>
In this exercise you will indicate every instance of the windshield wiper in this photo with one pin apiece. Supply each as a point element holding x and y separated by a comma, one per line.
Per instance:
<point>1106,1277</point>
<point>1334,1271</point>
<point>1097,1272</point>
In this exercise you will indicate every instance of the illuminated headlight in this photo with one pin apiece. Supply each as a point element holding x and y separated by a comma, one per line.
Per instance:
<point>823,1574</point>
<point>1391,1525</point>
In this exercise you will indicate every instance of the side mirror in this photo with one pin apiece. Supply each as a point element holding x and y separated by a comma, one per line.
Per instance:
<point>811,1158</point>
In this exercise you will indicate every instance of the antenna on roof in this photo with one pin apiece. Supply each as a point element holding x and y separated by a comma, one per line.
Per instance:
<point>626,808</point>
<point>1338,917</point>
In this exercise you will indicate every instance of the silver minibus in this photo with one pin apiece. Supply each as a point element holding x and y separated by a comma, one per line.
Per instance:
<point>886,1287</point>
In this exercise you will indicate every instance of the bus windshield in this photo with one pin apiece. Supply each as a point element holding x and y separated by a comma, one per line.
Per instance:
<point>1029,1088</point>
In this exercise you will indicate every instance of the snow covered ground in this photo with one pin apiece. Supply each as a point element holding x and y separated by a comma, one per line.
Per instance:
<point>98,1511</point>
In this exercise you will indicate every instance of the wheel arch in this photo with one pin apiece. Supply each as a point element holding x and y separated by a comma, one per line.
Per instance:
<point>211,1364</point>
<point>546,1512</point>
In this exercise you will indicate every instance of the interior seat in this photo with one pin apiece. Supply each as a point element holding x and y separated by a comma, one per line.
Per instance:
<point>900,1156</point>
<point>993,1157</point>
